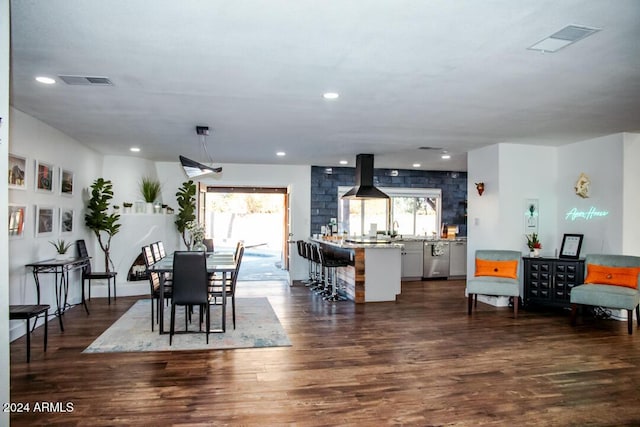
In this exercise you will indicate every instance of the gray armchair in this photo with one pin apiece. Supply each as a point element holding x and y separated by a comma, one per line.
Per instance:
<point>498,279</point>
<point>607,289</point>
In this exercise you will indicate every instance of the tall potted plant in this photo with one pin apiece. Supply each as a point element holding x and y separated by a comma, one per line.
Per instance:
<point>103,224</point>
<point>186,198</point>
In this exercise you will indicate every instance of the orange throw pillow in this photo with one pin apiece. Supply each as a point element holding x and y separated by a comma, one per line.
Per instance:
<point>506,269</point>
<point>617,276</point>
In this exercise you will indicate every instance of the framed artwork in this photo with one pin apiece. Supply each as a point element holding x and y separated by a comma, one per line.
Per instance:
<point>66,220</point>
<point>571,244</point>
<point>44,177</point>
<point>17,214</point>
<point>531,213</point>
<point>17,172</point>
<point>44,220</point>
<point>66,182</point>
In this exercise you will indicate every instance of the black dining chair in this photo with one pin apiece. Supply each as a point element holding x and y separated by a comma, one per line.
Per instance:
<point>89,275</point>
<point>215,287</point>
<point>190,286</point>
<point>28,312</point>
<point>154,285</point>
<point>209,244</point>
<point>155,248</point>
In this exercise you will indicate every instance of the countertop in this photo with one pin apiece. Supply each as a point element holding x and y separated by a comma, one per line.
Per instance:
<point>380,242</point>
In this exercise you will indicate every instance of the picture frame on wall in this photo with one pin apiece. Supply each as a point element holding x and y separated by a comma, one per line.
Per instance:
<point>66,182</point>
<point>66,220</point>
<point>571,244</point>
<point>17,217</point>
<point>44,177</point>
<point>17,172</point>
<point>45,218</point>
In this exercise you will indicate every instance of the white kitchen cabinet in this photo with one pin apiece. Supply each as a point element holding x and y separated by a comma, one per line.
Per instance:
<point>412,259</point>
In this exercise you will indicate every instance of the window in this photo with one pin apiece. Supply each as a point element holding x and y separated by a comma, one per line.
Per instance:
<point>410,211</point>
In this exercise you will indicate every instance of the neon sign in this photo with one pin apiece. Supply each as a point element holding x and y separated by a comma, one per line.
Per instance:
<point>575,214</point>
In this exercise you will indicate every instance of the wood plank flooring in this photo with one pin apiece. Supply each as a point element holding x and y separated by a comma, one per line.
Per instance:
<point>418,361</point>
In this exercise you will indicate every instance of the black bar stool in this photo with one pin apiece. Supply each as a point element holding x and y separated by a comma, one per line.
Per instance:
<point>27,312</point>
<point>331,264</point>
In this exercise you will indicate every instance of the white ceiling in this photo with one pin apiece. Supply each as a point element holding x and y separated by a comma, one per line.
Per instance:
<point>452,74</point>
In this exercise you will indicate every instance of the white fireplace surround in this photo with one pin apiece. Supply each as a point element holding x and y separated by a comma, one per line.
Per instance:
<point>136,231</point>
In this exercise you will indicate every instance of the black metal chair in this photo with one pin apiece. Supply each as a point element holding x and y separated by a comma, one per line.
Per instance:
<point>154,285</point>
<point>157,254</point>
<point>27,312</point>
<point>190,286</point>
<point>89,275</point>
<point>215,287</point>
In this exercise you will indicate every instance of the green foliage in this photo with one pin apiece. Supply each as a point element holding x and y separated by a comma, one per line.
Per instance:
<point>186,198</point>
<point>150,189</point>
<point>97,218</point>
<point>61,246</point>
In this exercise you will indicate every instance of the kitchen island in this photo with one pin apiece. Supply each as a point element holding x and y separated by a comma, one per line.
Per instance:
<point>374,269</point>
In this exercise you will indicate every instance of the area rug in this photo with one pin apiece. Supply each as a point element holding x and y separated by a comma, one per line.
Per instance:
<point>256,326</point>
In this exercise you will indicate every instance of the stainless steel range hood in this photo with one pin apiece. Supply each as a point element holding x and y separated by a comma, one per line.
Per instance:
<point>364,188</point>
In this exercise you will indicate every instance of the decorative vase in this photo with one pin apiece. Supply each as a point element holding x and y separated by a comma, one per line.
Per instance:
<point>149,208</point>
<point>61,257</point>
<point>199,246</point>
<point>535,252</point>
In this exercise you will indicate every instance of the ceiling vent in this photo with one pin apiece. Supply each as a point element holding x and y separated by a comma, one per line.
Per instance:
<point>86,80</point>
<point>563,38</point>
<point>429,148</point>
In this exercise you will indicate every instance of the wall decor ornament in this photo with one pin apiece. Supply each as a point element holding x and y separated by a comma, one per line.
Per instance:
<point>582,185</point>
<point>480,187</point>
<point>44,220</point>
<point>17,214</point>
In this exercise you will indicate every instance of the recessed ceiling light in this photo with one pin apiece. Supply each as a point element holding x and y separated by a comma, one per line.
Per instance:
<point>134,149</point>
<point>446,156</point>
<point>330,95</point>
<point>281,154</point>
<point>344,162</point>
<point>45,80</point>
<point>416,165</point>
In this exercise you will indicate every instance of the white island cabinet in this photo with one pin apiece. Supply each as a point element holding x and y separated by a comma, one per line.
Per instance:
<point>374,269</point>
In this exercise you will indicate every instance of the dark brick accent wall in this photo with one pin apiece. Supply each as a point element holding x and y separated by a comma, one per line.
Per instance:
<point>324,191</point>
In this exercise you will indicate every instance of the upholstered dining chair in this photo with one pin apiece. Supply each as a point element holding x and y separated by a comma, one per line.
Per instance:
<point>215,286</point>
<point>190,286</point>
<point>209,244</point>
<point>497,273</point>
<point>88,274</point>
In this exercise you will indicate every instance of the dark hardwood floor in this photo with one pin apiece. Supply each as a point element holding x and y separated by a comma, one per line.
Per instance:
<point>419,361</point>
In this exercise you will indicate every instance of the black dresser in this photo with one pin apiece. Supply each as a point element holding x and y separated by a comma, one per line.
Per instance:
<point>548,281</point>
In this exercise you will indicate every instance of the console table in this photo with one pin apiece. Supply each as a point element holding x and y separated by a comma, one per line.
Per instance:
<point>61,269</point>
<point>548,281</point>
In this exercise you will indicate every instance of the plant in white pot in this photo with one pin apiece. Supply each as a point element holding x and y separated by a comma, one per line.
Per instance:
<point>150,191</point>
<point>62,248</point>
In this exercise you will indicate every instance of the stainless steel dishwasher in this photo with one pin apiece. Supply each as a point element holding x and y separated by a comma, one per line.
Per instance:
<point>436,259</point>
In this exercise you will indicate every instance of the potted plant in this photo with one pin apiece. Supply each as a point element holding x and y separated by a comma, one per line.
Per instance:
<point>150,191</point>
<point>127,207</point>
<point>61,248</point>
<point>103,224</point>
<point>534,244</point>
<point>186,198</point>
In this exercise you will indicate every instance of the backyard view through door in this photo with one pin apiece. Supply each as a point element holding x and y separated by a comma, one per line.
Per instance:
<point>256,216</point>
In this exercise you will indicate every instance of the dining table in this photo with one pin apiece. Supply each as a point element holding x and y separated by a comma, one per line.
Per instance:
<point>217,262</point>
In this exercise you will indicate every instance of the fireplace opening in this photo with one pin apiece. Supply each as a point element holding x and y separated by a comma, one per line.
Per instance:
<point>138,270</point>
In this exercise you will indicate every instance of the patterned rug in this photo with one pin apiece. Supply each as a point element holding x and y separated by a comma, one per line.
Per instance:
<point>256,326</point>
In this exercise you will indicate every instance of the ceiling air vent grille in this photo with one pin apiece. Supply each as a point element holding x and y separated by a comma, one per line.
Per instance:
<point>429,148</point>
<point>86,80</point>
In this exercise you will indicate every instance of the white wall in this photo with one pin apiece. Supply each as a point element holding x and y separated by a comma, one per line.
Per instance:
<point>296,178</point>
<point>4,245</point>
<point>631,195</point>
<point>512,173</point>
<point>125,173</point>
<point>602,160</point>
<point>35,140</point>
